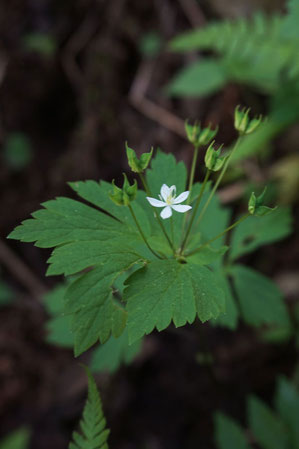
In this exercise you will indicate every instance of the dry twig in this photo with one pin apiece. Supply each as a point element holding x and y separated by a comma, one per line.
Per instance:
<point>21,271</point>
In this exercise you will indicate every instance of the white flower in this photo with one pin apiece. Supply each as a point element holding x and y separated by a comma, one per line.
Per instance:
<point>169,201</point>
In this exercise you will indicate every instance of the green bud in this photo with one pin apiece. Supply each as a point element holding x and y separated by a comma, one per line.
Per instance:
<point>213,160</point>
<point>138,165</point>
<point>124,196</point>
<point>198,136</point>
<point>254,124</point>
<point>256,207</point>
<point>243,124</point>
<point>206,135</point>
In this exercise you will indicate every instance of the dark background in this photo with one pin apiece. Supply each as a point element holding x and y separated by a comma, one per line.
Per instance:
<point>77,105</point>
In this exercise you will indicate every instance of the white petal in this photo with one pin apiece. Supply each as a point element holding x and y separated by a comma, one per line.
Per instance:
<point>155,203</point>
<point>181,208</point>
<point>165,191</point>
<point>166,213</point>
<point>172,190</point>
<point>182,197</point>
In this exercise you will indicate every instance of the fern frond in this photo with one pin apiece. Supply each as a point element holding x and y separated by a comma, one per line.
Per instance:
<point>254,51</point>
<point>224,36</point>
<point>93,434</point>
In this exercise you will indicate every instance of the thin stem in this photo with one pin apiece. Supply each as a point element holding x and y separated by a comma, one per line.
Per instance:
<point>222,173</point>
<point>203,186</point>
<point>191,180</point>
<point>194,160</point>
<point>141,232</point>
<point>219,235</point>
<point>148,192</point>
<point>172,231</point>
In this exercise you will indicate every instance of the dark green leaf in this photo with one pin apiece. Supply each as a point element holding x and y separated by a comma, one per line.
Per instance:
<point>257,231</point>
<point>228,434</point>
<point>267,428</point>
<point>287,405</point>
<point>112,354</point>
<point>230,317</point>
<point>260,300</point>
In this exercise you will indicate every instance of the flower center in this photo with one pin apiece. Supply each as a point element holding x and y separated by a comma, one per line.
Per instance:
<point>169,199</point>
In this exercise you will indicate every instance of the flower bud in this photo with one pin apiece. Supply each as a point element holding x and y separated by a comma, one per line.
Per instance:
<point>124,196</point>
<point>256,207</point>
<point>138,165</point>
<point>243,124</point>
<point>213,160</point>
<point>197,136</point>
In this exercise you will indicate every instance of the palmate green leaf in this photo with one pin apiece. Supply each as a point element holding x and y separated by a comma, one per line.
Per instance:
<point>65,220</point>
<point>199,79</point>
<point>287,405</point>
<point>116,351</point>
<point>93,433</point>
<point>260,300</point>
<point>228,434</point>
<point>85,238</point>
<point>95,313</point>
<point>97,193</point>
<point>268,429</point>
<point>165,291</point>
<point>257,231</point>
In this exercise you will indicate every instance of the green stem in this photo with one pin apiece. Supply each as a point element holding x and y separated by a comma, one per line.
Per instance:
<point>148,192</point>
<point>219,235</point>
<point>172,231</point>
<point>141,232</point>
<point>222,173</point>
<point>203,186</point>
<point>194,160</point>
<point>191,180</point>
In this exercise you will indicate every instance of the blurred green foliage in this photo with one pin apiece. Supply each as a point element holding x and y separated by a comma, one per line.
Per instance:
<point>261,52</point>
<point>6,293</point>
<point>271,429</point>
<point>42,43</point>
<point>19,439</point>
<point>18,151</point>
<point>150,44</point>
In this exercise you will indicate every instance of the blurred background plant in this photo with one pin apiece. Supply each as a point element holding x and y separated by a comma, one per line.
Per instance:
<point>260,54</point>
<point>77,80</point>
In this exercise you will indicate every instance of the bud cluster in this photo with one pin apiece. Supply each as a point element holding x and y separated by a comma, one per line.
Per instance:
<point>243,124</point>
<point>199,136</point>
<point>213,160</point>
<point>124,196</point>
<point>138,165</point>
<point>256,207</point>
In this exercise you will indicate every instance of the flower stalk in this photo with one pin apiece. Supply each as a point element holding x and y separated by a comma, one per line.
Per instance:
<point>236,223</point>
<point>219,179</point>
<point>203,186</point>
<point>141,233</point>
